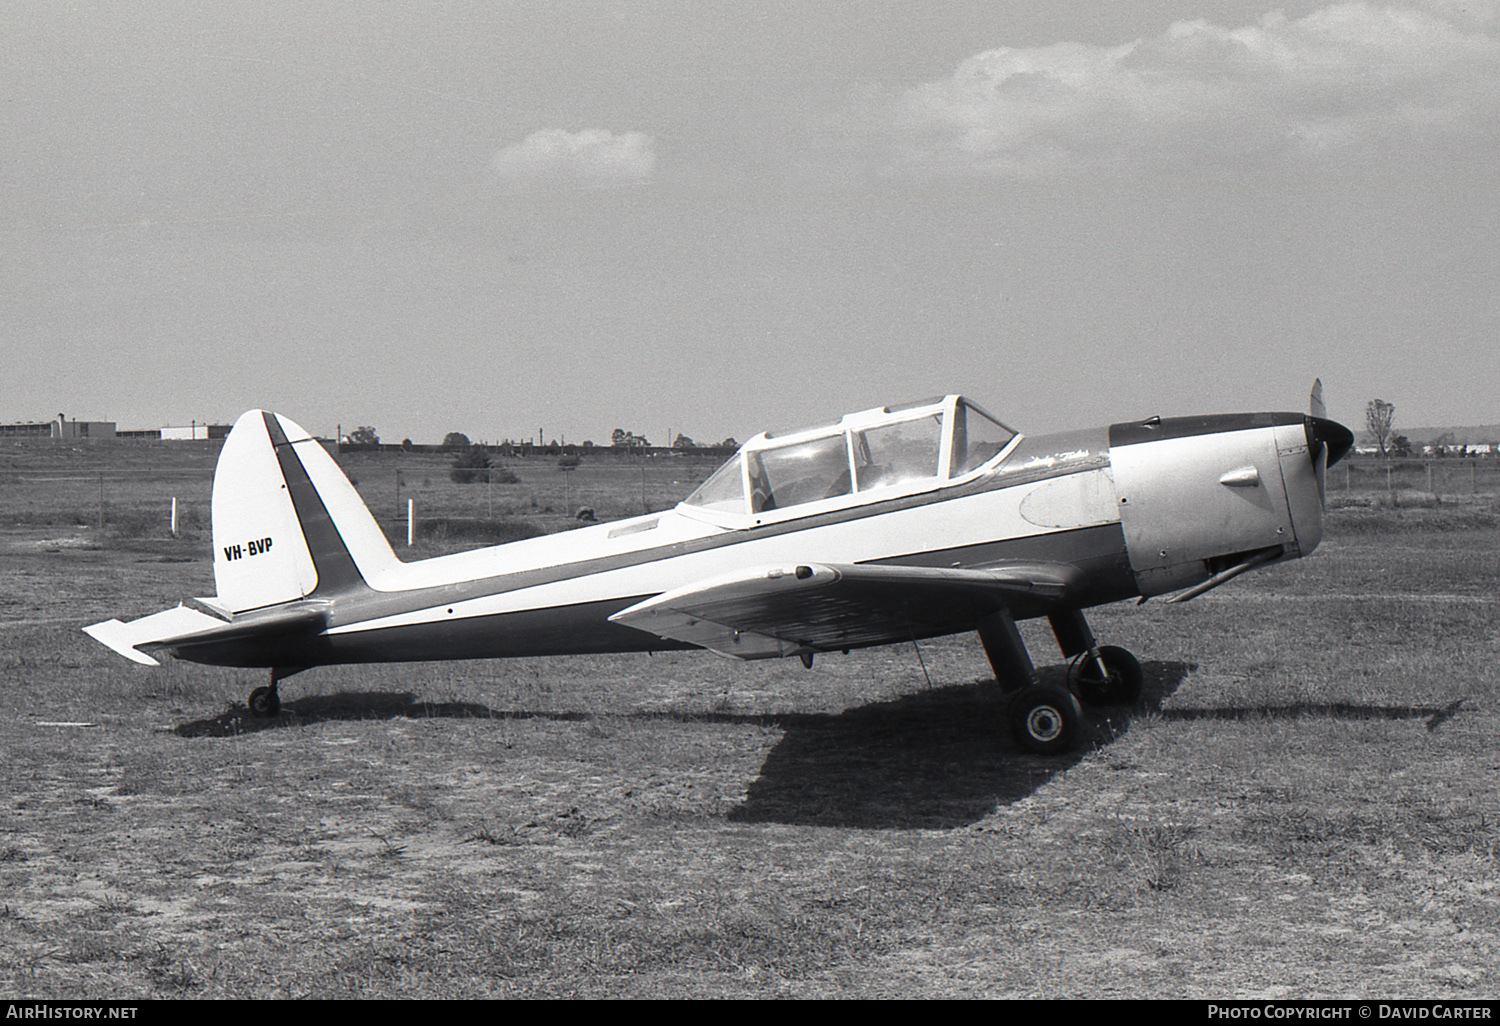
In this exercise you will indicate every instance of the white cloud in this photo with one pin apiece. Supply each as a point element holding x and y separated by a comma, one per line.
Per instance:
<point>593,157</point>
<point>1348,75</point>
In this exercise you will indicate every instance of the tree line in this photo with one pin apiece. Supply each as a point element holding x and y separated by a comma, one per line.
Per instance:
<point>1380,421</point>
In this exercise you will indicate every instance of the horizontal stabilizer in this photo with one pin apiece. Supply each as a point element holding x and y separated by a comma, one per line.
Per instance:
<point>124,637</point>
<point>773,611</point>
<point>182,627</point>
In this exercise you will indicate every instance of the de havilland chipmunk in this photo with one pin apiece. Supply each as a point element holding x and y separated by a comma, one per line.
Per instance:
<point>891,525</point>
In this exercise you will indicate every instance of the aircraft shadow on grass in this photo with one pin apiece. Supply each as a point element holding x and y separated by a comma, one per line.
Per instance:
<point>1435,716</point>
<point>353,705</point>
<point>939,758</point>
<point>936,759</point>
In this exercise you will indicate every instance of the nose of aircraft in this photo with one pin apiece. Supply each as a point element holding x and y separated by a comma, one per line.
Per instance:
<point>1202,499</point>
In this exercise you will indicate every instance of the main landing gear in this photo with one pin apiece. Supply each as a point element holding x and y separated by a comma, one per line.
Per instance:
<point>266,702</point>
<point>1045,718</point>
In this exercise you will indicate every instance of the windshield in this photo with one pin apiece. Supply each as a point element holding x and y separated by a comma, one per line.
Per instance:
<point>724,490</point>
<point>976,439</point>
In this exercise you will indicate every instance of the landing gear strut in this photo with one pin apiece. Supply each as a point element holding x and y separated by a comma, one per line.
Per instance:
<point>266,702</point>
<point>1045,718</point>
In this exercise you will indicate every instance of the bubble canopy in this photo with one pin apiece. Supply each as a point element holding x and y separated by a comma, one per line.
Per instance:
<point>886,450</point>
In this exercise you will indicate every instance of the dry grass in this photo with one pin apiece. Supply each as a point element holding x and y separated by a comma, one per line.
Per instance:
<point>1306,807</point>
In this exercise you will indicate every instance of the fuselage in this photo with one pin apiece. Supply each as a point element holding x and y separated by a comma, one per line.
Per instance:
<point>1138,509</point>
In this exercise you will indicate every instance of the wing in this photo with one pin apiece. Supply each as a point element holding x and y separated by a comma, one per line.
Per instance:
<point>774,611</point>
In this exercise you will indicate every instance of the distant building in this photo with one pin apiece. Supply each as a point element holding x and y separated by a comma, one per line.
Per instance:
<point>80,430</point>
<point>194,432</point>
<point>61,428</point>
<point>40,429</point>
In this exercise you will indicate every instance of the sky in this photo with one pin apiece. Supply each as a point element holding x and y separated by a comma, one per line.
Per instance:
<point>716,217</point>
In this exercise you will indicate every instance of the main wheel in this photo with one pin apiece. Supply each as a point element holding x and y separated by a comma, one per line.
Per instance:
<point>1044,719</point>
<point>1121,684</point>
<point>264,702</point>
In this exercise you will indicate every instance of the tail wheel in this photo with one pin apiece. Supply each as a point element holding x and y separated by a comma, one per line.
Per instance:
<point>1045,719</point>
<point>1121,683</point>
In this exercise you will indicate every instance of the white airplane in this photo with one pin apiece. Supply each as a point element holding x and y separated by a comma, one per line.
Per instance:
<point>891,525</point>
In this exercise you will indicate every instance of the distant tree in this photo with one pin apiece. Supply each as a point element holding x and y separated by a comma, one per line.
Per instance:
<point>364,436</point>
<point>473,463</point>
<point>622,439</point>
<point>682,441</point>
<point>406,443</point>
<point>729,443</point>
<point>1379,418</point>
<point>1400,445</point>
<point>455,440</point>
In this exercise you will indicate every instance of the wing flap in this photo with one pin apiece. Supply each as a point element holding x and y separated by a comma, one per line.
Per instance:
<point>773,611</point>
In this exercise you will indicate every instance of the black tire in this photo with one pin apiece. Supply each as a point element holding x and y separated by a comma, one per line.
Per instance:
<point>1122,685</point>
<point>1045,720</point>
<point>264,702</point>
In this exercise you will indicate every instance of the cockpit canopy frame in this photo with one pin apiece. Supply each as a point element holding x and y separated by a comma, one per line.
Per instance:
<point>866,456</point>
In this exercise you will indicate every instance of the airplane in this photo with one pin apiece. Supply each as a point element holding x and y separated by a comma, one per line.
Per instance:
<point>890,525</point>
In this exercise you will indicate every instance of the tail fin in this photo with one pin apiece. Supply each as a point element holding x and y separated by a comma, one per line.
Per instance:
<point>287,523</point>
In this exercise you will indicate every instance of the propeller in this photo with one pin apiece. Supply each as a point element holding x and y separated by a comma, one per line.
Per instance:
<point>1328,441</point>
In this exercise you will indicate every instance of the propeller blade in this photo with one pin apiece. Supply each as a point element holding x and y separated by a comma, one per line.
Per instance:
<point>1327,440</point>
<point>1315,400</point>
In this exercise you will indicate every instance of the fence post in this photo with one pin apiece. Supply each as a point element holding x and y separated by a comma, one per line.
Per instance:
<point>411,522</point>
<point>174,516</point>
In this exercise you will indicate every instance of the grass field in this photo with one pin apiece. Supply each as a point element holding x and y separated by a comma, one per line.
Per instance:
<point>1305,806</point>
